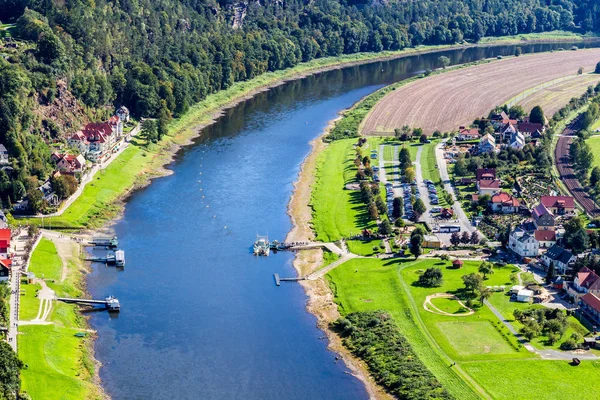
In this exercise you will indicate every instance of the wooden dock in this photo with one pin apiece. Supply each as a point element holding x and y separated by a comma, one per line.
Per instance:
<point>278,280</point>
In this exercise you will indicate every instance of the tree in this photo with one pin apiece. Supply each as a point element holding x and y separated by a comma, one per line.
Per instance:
<point>474,238</point>
<point>10,366</point>
<point>455,239</point>
<point>551,274</point>
<point>465,238</point>
<point>381,206</point>
<point>385,228</point>
<point>36,200</point>
<point>64,186</point>
<point>595,176</point>
<point>516,112</point>
<point>443,61</point>
<point>460,167</point>
<point>416,240</point>
<point>518,51</point>
<point>472,282</point>
<point>419,208</point>
<point>417,132</point>
<point>597,70</point>
<point>373,213</point>
<point>423,139</point>
<point>409,174</point>
<point>486,268</point>
<point>398,207</point>
<point>368,172</point>
<point>150,130</point>
<point>484,294</point>
<point>404,158</point>
<point>537,115</point>
<point>432,277</point>
<point>580,71</point>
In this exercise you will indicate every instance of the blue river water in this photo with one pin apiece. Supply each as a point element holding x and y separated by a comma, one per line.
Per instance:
<point>201,317</point>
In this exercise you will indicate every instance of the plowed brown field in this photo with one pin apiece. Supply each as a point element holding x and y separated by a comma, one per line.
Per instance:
<point>445,101</point>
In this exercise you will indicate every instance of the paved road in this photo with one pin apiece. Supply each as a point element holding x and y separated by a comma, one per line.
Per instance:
<point>462,219</point>
<point>565,170</point>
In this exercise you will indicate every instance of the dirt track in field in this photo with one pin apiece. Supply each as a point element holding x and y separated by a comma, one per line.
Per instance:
<point>553,98</point>
<point>445,101</point>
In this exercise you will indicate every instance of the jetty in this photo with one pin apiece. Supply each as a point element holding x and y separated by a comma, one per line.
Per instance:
<point>117,258</point>
<point>111,303</point>
<point>110,242</point>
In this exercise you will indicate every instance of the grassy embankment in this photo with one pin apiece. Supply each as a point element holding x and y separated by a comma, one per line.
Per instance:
<point>59,365</point>
<point>98,203</point>
<point>481,346</point>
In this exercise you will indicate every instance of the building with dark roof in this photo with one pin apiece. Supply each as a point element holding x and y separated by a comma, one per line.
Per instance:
<point>561,258</point>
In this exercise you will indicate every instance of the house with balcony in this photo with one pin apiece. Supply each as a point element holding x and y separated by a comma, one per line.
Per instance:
<point>523,243</point>
<point>562,259</point>
<point>559,205</point>
<point>589,305</point>
<point>96,141</point>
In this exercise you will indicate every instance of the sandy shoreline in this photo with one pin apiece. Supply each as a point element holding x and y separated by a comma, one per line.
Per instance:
<point>320,301</point>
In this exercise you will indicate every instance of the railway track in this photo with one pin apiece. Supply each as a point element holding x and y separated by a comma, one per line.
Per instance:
<point>566,171</point>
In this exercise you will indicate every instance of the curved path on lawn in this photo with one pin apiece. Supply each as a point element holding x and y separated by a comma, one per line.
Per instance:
<point>446,101</point>
<point>432,308</point>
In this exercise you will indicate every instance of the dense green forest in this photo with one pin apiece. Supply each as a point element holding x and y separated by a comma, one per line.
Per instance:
<point>159,57</point>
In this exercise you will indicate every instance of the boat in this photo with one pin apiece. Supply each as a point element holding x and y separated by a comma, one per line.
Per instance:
<point>261,246</point>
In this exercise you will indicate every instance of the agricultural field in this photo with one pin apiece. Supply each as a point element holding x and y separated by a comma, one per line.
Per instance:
<point>478,343</point>
<point>445,101</point>
<point>553,97</point>
<point>594,142</point>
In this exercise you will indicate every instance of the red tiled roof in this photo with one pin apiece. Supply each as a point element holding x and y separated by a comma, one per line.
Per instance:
<point>505,199</point>
<point>489,184</point>
<point>591,301</point>
<point>485,171</point>
<point>457,262</point>
<point>5,235</point>
<point>530,127</point>
<point>587,278</point>
<point>558,201</point>
<point>6,263</point>
<point>471,132</point>
<point>545,236</point>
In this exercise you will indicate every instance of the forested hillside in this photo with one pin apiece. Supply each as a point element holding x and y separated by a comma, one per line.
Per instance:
<point>158,57</point>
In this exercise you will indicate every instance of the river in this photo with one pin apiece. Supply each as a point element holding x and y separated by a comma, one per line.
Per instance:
<point>201,317</point>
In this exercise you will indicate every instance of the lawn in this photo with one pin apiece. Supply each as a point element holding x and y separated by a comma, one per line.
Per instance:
<point>482,353</point>
<point>45,262</point>
<point>536,379</point>
<point>449,305</point>
<point>337,212</point>
<point>365,247</point>
<point>474,338</point>
<point>594,142</point>
<point>30,304</point>
<point>56,361</point>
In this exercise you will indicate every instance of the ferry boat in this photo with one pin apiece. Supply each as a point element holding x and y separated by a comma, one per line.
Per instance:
<point>261,246</point>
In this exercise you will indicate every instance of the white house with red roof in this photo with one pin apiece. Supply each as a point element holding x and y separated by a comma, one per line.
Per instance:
<point>503,202</point>
<point>69,163</point>
<point>97,140</point>
<point>468,133</point>
<point>487,186</point>
<point>559,205</point>
<point>523,243</point>
<point>545,238</point>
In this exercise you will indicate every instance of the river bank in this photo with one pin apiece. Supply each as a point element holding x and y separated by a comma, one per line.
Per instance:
<point>135,169</point>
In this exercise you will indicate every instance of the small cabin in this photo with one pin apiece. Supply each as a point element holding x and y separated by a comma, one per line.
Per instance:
<point>458,264</point>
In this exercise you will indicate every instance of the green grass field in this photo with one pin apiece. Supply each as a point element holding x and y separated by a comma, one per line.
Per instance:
<point>59,365</point>
<point>449,305</point>
<point>337,212</point>
<point>474,338</point>
<point>45,262</point>
<point>55,364</point>
<point>29,302</point>
<point>482,347</point>
<point>536,379</point>
<point>364,247</point>
<point>594,142</point>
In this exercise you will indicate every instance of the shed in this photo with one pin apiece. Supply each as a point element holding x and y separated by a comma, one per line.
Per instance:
<point>515,289</point>
<point>525,296</point>
<point>431,241</point>
<point>457,264</point>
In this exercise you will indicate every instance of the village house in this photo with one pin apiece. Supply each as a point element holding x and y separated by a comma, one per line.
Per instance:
<point>487,144</point>
<point>5,261</point>
<point>586,281</point>
<point>489,187</point>
<point>543,218</point>
<point>562,259</point>
<point>545,239</point>
<point>517,141</point>
<point>485,174</point>
<point>523,243</point>
<point>123,113</point>
<point>5,265</point>
<point>468,133</point>
<point>590,306</point>
<point>69,163</point>
<point>507,130</point>
<point>96,140</point>
<point>559,205</point>
<point>531,129</point>
<point>3,155</point>
<point>504,203</point>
